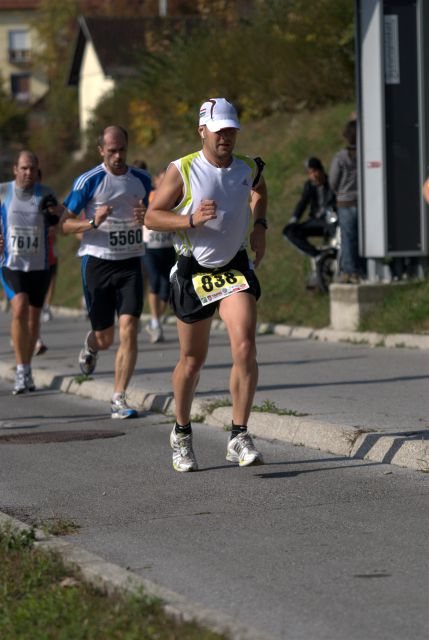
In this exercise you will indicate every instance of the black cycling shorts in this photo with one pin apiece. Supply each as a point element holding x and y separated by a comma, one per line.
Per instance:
<point>111,286</point>
<point>158,264</point>
<point>183,299</point>
<point>34,283</point>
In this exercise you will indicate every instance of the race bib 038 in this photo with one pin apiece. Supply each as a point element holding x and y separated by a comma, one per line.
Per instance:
<point>211,287</point>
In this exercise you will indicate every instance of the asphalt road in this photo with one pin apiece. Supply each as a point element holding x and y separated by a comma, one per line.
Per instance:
<point>309,546</point>
<point>355,385</point>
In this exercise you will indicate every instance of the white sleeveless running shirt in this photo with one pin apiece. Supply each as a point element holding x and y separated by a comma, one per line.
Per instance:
<point>216,242</point>
<point>119,237</point>
<point>24,227</point>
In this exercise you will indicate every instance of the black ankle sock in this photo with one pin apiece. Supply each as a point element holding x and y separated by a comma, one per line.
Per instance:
<point>184,429</point>
<point>237,429</point>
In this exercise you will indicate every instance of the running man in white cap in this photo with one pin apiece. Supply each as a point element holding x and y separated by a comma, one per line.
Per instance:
<point>204,198</point>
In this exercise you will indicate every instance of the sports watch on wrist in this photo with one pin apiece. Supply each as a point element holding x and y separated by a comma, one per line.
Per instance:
<point>92,223</point>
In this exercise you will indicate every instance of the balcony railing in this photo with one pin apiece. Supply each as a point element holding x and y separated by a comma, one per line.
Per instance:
<point>22,96</point>
<point>19,56</point>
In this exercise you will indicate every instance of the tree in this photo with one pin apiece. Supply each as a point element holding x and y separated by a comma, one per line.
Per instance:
<point>56,132</point>
<point>13,118</point>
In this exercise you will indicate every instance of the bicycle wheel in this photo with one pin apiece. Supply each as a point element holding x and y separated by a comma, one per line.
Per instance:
<point>326,268</point>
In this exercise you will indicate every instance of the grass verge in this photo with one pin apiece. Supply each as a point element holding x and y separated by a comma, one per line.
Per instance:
<point>268,406</point>
<point>404,310</point>
<point>41,599</point>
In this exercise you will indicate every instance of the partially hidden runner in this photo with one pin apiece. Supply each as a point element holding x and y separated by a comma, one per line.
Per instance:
<point>204,198</point>
<point>158,260</point>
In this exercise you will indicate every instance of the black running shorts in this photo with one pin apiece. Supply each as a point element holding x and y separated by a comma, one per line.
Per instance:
<point>34,283</point>
<point>111,286</point>
<point>158,264</point>
<point>183,299</point>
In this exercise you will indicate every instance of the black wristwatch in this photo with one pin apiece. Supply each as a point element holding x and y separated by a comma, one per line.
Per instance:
<point>261,221</point>
<point>92,223</point>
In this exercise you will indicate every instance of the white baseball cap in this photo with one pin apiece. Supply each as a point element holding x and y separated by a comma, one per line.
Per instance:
<point>217,114</point>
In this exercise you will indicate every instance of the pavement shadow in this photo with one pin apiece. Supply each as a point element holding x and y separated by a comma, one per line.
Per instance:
<point>48,420</point>
<point>292,474</point>
<point>400,438</point>
<point>342,382</point>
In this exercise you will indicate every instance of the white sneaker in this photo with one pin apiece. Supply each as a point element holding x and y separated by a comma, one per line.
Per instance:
<point>47,314</point>
<point>155,333</point>
<point>40,348</point>
<point>20,385</point>
<point>29,382</point>
<point>87,358</point>
<point>183,453</point>
<point>242,450</point>
<point>121,410</point>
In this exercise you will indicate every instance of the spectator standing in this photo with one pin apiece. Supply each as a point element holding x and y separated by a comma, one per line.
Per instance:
<point>343,181</point>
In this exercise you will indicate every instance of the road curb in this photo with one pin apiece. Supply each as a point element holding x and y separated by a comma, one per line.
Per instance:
<point>404,450</point>
<point>326,334</point>
<point>112,578</point>
<point>410,450</point>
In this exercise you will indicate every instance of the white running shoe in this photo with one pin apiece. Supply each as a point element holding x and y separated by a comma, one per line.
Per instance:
<point>183,454</point>
<point>46,314</point>
<point>40,348</point>
<point>121,410</point>
<point>20,385</point>
<point>242,450</point>
<point>155,333</point>
<point>29,382</point>
<point>87,358</point>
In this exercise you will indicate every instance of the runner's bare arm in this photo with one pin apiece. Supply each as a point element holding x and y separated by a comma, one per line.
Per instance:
<point>70,223</point>
<point>139,212</point>
<point>159,216</point>
<point>258,204</point>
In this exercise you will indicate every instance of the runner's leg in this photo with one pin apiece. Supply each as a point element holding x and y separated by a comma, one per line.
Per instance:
<point>33,328</point>
<point>194,342</point>
<point>126,355</point>
<point>21,338</point>
<point>238,312</point>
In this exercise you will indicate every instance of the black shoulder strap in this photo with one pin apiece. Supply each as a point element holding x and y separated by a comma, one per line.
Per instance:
<point>260,164</point>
